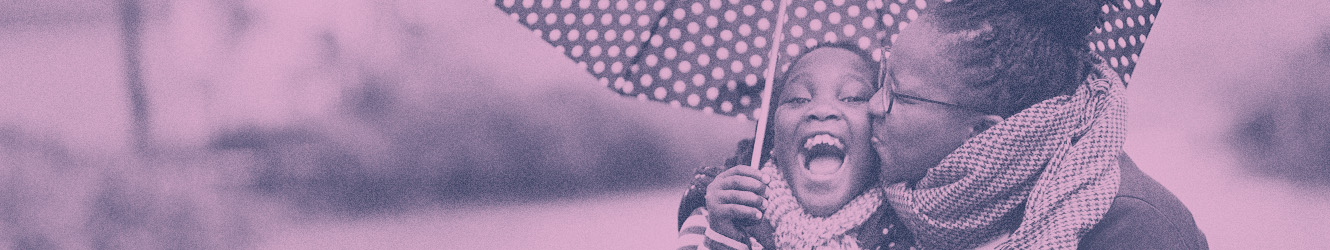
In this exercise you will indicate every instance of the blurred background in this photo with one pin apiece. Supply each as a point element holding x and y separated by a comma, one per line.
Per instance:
<point>407,124</point>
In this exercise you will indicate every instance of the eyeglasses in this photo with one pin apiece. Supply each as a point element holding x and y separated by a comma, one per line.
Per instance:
<point>892,95</point>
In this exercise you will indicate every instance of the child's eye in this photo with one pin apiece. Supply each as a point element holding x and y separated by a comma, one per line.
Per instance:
<point>796,100</point>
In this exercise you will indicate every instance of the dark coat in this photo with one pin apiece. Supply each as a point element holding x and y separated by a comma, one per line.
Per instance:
<point>1144,215</point>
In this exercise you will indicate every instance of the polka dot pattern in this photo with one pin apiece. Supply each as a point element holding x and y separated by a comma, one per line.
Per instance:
<point>1121,37</point>
<point>706,55</point>
<point>703,55</point>
<point>712,55</point>
<point>850,23</point>
<point>715,44</point>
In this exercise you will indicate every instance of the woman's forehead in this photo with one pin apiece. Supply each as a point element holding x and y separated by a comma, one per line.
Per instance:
<point>924,43</point>
<point>922,79</point>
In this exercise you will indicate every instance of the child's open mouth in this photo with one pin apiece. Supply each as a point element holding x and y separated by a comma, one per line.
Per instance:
<point>823,154</point>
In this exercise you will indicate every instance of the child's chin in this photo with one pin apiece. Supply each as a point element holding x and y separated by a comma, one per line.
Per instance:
<point>825,207</point>
<point>826,192</point>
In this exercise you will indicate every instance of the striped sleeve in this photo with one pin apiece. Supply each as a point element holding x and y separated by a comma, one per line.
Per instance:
<point>692,235</point>
<point>695,234</point>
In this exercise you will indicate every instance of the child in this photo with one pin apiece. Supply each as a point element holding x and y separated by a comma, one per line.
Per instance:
<point>820,187</point>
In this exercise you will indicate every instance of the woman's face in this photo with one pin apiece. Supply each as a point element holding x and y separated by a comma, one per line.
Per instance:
<point>916,136</point>
<point>822,129</point>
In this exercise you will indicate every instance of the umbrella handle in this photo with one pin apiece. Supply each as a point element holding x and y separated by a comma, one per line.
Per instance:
<point>759,139</point>
<point>762,231</point>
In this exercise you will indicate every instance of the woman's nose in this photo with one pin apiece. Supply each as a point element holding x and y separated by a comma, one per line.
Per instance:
<point>877,105</point>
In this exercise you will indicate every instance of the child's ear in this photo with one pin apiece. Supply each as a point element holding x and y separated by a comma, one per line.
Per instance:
<point>983,122</point>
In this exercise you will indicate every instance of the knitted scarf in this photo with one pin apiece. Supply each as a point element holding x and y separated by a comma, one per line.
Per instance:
<point>1046,175</point>
<point>796,229</point>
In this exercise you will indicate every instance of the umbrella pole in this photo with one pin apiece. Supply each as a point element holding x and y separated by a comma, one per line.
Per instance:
<point>778,35</point>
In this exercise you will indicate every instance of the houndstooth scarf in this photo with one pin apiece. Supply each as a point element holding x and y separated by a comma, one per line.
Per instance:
<point>1046,175</point>
<point>796,229</point>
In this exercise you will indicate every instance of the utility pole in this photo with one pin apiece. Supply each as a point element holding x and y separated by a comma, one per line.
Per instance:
<point>131,22</point>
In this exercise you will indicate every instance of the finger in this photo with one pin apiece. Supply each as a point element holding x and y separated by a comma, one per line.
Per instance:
<point>740,198</point>
<point>743,172</point>
<point>732,197</point>
<point>743,183</point>
<point>735,212</point>
<point>747,171</point>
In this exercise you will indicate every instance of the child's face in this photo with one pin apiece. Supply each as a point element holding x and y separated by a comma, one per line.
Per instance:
<point>822,129</point>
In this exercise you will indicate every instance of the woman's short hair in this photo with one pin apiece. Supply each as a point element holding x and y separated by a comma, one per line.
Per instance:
<point>1024,51</point>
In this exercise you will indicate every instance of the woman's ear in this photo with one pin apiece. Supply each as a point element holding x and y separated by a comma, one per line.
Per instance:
<point>982,122</point>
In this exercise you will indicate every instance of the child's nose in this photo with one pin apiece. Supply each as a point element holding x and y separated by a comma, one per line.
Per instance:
<point>824,113</point>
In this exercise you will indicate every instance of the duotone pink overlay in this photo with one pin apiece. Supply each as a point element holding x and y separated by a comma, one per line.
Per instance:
<point>408,124</point>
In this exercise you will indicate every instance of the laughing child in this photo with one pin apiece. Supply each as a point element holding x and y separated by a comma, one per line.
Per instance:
<point>820,188</point>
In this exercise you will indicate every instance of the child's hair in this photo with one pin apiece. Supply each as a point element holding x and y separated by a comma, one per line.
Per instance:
<point>867,58</point>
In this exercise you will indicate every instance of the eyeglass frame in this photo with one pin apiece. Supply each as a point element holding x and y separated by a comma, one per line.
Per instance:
<point>892,95</point>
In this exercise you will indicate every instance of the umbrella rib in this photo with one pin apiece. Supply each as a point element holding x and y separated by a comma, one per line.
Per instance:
<point>778,35</point>
<point>655,27</point>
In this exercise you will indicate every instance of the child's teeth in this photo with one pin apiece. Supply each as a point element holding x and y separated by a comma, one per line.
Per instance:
<point>824,139</point>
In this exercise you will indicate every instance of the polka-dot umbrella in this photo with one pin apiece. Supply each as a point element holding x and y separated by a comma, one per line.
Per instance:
<point>1122,36</point>
<point>718,55</point>
<point>712,55</point>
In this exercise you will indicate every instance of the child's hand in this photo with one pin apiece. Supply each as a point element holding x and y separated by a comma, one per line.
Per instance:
<point>736,193</point>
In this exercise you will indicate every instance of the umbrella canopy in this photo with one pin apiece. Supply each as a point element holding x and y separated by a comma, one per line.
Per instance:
<point>1122,36</point>
<point>710,55</point>
<point>719,56</point>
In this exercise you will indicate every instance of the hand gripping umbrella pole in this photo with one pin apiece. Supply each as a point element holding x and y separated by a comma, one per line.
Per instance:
<point>759,137</point>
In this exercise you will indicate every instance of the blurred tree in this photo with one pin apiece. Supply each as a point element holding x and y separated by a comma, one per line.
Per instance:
<point>1287,135</point>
